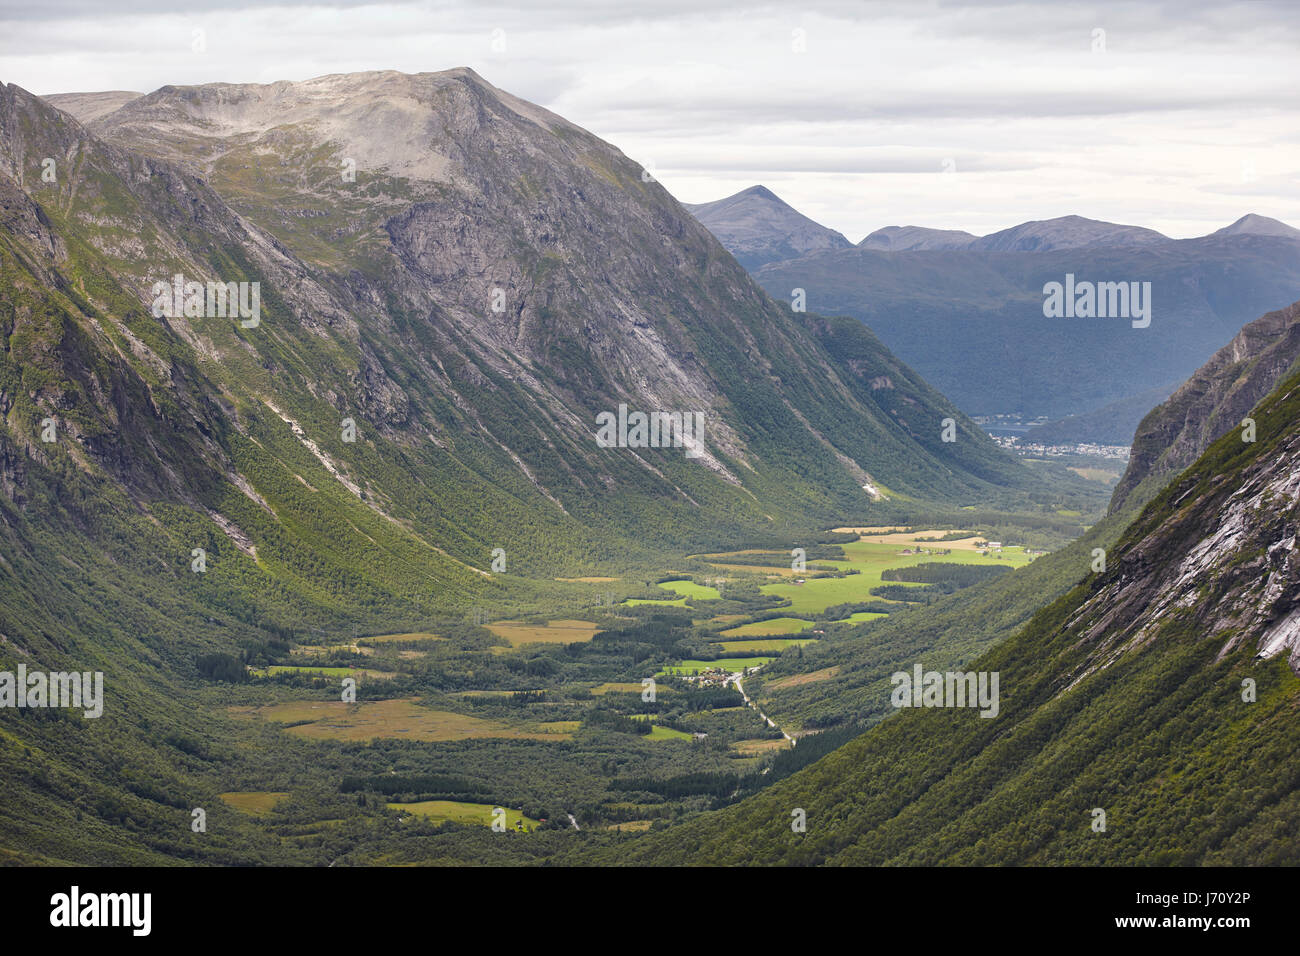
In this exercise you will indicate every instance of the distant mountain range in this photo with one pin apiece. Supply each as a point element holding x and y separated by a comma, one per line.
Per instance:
<point>756,226</point>
<point>1067,232</point>
<point>968,312</point>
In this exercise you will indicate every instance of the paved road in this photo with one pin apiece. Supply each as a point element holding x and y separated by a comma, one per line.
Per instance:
<point>769,720</point>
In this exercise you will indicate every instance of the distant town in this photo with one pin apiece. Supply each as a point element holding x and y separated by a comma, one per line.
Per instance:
<point>1068,449</point>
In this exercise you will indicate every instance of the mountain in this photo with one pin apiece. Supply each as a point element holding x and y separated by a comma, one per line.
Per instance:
<point>1066,232</point>
<point>456,204</point>
<point>757,227</point>
<point>913,238</point>
<point>451,286</point>
<point>1213,401</point>
<point>1112,424</point>
<point>1147,717</point>
<point>972,321</point>
<point>1253,225</point>
<point>88,107</point>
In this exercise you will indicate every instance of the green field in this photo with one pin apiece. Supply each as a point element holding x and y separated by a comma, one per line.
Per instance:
<point>274,669</point>
<point>859,617</point>
<point>771,645</point>
<point>257,803</point>
<point>660,733</point>
<point>871,555</point>
<point>769,628</point>
<point>454,810</point>
<point>552,632</point>
<point>666,733</point>
<point>689,591</point>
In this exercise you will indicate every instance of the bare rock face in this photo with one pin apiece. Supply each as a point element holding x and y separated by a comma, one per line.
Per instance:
<point>1214,555</point>
<point>1214,400</point>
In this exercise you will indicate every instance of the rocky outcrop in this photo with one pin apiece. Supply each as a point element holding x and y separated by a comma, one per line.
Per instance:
<point>1214,400</point>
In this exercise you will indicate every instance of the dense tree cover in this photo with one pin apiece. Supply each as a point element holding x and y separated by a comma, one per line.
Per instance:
<point>221,667</point>
<point>950,575</point>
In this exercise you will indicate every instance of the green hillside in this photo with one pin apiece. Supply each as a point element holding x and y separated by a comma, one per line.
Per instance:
<point>1165,701</point>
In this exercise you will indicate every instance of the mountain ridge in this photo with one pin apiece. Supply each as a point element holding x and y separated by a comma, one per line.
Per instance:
<point>758,227</point>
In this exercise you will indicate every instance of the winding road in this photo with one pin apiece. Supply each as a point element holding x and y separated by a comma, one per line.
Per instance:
<point>770,722</point>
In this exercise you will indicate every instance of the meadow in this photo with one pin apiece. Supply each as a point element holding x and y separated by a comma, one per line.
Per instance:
<point>457,811</point>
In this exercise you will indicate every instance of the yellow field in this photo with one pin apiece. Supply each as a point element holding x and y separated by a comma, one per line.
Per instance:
<point>930,537</point>
<point>759,569</point>
<point>257,803</point>
<point>553,632</point>
<point>797,680</point>
<point>412,637</point>
<point>402,719</point>
<point>312,650</point>
<point>619,688</point>
<point>756,748</point>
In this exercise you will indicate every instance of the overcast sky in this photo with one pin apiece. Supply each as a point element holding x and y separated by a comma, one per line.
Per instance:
<point>1181,116</point>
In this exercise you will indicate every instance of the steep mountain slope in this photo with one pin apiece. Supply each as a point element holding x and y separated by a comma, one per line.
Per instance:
<point>1213,401</point>
<point>1161,692</point>
<point>946,312</point>
<point>487,278</point>
<point>757,227</point>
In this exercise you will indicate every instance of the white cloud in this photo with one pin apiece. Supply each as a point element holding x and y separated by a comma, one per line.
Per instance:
<point>1156,130</point>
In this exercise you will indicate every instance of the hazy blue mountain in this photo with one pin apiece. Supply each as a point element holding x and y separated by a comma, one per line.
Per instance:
<point>1066,232</point>
<point>757,227</point>
<point>911,238</point>
<point>972,320</point>
<point>1111,424</point>
<point>1254,225</point>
